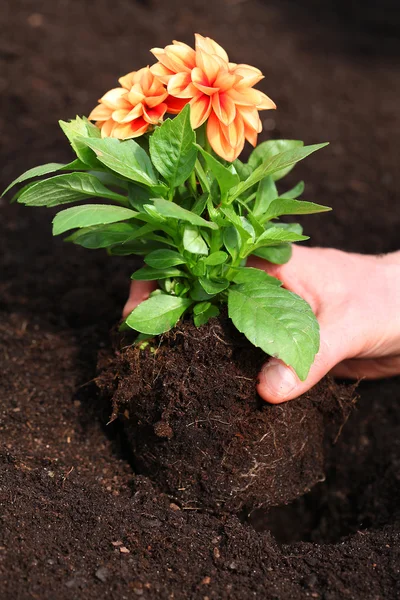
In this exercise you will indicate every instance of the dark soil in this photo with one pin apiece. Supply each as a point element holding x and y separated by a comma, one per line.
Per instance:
<point>198,428</point>
<point>68,494</point>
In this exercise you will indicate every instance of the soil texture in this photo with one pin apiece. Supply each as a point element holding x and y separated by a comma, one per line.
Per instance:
<point>199,430</point>
<point>76,521</point>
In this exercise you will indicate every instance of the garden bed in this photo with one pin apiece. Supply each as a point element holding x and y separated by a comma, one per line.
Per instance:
<point>75,520</point>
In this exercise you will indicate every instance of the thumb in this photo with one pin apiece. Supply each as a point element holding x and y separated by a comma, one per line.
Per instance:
<point>139,291</point>
<point>279,383</point>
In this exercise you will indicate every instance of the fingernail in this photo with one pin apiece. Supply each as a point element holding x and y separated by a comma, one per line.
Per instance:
<point>278,378</point>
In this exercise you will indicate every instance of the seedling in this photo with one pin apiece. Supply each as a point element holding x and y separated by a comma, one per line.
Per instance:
<point>178,196</point>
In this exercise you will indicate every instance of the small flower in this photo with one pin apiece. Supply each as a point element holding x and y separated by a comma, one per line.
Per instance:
<point>219,92</point>
<point>128,111</point>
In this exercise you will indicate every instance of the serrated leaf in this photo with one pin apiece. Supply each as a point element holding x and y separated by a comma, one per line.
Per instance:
<point>158,314</point>
<point>278,255</point>
<point>277,321</point>
<point>174,211</point>
<point>193,241</point>
<point>89,215</point>
<point>163,259</point>
<point>67,188</point>
<point>225,177</point>
<point>272,165</point>
<point>253,275</point>
<point>77,129</point>
<point>151,274</point>
<point>103,236</point>
<point>126,158</point>
<point>45,170</point>
<point>289,206</point>
<point>172,148</point>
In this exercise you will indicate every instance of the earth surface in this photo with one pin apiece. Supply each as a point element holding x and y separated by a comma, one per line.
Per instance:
<point>75,520</point>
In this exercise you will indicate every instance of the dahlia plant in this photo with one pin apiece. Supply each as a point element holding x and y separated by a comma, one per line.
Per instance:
<point>178,196</point>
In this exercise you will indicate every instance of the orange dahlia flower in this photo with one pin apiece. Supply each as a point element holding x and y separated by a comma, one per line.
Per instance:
<point>128,111</point>
<point>220,92</point>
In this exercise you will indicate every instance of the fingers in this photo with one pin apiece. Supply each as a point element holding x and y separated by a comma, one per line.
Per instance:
<point>139,291</point>
<point>279,383</point>
<point>368,368</point>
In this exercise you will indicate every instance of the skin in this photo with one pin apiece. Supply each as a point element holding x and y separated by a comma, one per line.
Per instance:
<point>356,299</point>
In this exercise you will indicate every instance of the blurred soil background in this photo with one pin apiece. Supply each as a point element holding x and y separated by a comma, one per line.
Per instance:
<point>74,519</point>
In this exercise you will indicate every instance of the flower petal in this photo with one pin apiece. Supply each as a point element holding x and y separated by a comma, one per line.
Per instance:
<point>245,97</point>
<point>181,86</point>
<point>100,113</point>
<point>234,132</point>
<point>218,141</point>
<point>249,75</point>
<point>201,83</point>
<point>266,102</point>
<point>161,72</point>
<point>137,111</point>
<point>200,108</point>
<point>130,130</point>
<point>175,105</point>
<point>251,135</point>
<point>251,118</point>
<point>181,56</point>
<point>126,81</point>
<point>209,46</point>
<point>154,115</point>
<point>209,65</point>
<point>116,98</point>
<point>136,95</point>
<point>107,128</point>
<point>224,108</point>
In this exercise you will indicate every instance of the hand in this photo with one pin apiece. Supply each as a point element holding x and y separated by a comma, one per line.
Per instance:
<point>356,299</point>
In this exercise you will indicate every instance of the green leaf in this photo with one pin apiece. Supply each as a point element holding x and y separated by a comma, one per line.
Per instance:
<point>278,321</point>
<point>198,293</point>
<point>266,193</point>
<point>88,215</point>
<point>163,259</point>
<point>103,236</point>
<point>289,206</point>
<point>276,235</point>
<point>272,165</point>
<point>296,191</point>
<point>126,158</point>
<point>271,148</point>
<point>44,170</point>
<point>174,211</point>
<point>158,314</point>
<point>172,148</point>
<point>193,242</point>
<point>253,275</point>
<point>244,170</point>
<point>203,311</point>
<point>77,129</point>
<point>138,196</point>
<point>140,247</point>
<point>225,177</point>
<point>63,189</point>
<point>216,258</point>
<point>150,274</point>
<point>232,242</point>
<point>278,255</point>
<point>213,287</point>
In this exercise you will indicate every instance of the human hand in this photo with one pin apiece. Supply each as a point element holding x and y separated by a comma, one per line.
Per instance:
<point>356,299</point>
